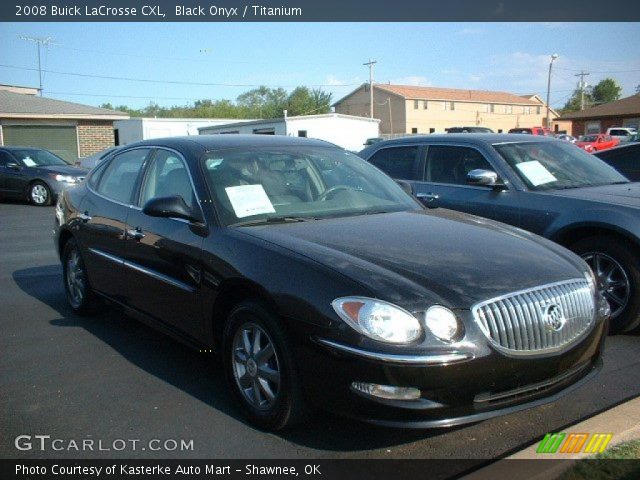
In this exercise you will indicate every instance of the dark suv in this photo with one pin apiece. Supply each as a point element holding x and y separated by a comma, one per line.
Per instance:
<point>537,183</point>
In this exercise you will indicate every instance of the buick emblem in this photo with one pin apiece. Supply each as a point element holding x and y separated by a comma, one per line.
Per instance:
<point>553,318</point>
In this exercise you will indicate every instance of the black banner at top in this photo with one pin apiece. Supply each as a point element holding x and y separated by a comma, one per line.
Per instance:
<point>318,11</point>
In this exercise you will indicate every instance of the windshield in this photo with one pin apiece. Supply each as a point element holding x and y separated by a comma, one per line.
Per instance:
<point>588,138</point>
<point>37,158</point>
<point>297,183</point>
<point>557,165</point>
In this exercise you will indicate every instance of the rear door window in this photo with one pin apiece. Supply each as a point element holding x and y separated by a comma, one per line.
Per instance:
<point>397,162</point>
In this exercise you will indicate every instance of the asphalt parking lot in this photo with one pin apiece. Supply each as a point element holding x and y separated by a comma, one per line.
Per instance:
<point>110,377</point>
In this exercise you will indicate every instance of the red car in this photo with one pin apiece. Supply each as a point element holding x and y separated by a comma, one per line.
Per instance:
<point>532,131</point>
<point>597,142</point>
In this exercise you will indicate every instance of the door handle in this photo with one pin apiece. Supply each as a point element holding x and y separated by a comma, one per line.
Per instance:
<point>136,234</point>
<point>428,197</point>
<point>85,217</point>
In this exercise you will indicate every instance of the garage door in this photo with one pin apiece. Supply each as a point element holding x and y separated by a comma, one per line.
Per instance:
<point>60,140</point>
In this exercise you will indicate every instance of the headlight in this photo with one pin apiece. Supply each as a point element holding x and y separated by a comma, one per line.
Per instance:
<point>65,178</point>
<point>442,322</point>
<point>377,319</point>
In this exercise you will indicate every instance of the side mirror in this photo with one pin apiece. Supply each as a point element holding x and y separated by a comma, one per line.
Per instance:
<point>482,177</point>
<point>406,186</point>
<point>169,207</point>
<point>13,166</point>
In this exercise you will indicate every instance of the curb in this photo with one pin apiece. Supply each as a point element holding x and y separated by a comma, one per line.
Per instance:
<point>622,421</point>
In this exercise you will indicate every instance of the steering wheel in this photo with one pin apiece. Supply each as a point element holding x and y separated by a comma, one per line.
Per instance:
<point>336,188</point>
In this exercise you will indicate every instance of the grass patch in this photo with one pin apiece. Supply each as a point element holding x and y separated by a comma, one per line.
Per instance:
<point>620,462</point>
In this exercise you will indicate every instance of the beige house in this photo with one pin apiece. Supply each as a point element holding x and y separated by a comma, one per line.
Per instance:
<point>406,109</point>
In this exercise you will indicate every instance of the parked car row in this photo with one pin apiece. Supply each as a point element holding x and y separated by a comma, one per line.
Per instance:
<point>321,283</point>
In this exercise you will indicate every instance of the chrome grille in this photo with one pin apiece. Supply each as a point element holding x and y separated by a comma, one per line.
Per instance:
<point>522,322</point>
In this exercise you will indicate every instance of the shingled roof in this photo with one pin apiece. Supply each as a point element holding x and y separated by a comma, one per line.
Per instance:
<point>629,106</point>
<point>17,105</point>
<point>455,94</point>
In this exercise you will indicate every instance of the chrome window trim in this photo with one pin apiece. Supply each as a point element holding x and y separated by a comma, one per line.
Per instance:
<point>434,359</point>
<point>543,350</point>
<point>139,268</point>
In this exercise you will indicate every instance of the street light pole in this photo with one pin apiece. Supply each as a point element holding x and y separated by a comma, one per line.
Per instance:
<point>553,57</point>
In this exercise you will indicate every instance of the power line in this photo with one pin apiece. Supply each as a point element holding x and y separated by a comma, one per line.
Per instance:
<point>174,82</point>
<point>599,71</point>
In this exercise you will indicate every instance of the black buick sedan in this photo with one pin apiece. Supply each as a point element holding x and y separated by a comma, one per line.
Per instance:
<point>321,283</point>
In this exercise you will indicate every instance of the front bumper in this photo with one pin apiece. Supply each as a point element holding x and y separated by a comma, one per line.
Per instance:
<point>459,387</point>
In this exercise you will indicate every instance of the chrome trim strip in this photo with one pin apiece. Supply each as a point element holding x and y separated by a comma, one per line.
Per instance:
<point>159,276</point>
<point>108,256</point>
<point>436,359</point>
<point>146,271</point>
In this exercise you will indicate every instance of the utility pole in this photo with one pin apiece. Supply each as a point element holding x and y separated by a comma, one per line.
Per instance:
<point>582,85</point>
<point>370,64</point>
<point>40,42</point>
<point>553,57</point>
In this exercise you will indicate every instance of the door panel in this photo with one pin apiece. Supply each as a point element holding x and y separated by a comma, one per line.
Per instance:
<point>445,185</point>
<point>103,217</point>
<point>164,254</point>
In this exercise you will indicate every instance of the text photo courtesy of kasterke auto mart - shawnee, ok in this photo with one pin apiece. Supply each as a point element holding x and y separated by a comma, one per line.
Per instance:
<point>375,240</point>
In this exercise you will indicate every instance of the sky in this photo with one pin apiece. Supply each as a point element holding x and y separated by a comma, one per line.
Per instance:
<point>232,58</point>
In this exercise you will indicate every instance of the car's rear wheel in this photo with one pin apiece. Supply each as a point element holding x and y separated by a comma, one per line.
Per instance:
<point>80,296</point>
<point>616,265</point>
<point>260,368</point>
<point>39,194</point>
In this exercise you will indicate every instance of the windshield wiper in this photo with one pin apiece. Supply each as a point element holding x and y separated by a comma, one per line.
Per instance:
<point>267,220</point>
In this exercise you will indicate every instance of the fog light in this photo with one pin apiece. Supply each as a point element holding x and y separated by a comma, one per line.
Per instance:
<point>387,391</point>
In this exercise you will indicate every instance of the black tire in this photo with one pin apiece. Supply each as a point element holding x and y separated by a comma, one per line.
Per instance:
<point>39,194</point>
<point>627,257</point>
<point>75,279</point>
<point>288,406</point>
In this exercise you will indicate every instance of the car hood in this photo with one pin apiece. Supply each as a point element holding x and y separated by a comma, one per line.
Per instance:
<point>627,194</point>
<point>416,257</point>
<point>64,170</point>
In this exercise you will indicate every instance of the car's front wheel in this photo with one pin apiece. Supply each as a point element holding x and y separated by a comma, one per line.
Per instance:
<point>40,194</point>
<point>616,265</point>
<point>260,368</point>
<point>80,296</point>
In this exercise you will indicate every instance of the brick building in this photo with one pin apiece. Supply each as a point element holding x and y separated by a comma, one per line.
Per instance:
<point>405,109</point>
<point>621,113</point>
<point>70,130</point>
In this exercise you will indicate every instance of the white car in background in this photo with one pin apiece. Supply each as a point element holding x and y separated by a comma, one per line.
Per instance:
<point>623,134</point>
<point>92,160</point>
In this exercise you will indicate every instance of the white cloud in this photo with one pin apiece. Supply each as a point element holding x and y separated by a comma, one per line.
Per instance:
<point>412,80</point>
<point>333,80</point>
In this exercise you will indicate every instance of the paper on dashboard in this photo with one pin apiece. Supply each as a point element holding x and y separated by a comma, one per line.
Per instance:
<point>248,200</point>
<point>536,173</point>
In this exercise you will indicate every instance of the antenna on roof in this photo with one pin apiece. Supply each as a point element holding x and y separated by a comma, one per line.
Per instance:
<point>40,42</point>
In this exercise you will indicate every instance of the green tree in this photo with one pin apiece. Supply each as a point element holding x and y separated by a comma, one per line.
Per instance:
<point>300,102</point>
<point>321,100</point>
<point>573,104</point>
<point>607,90</point>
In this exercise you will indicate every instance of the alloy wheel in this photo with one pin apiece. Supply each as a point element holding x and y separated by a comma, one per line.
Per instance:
<point>75,279</point>
<point>255,366</point>
<point>39,194</point>
<point>612,280</point>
